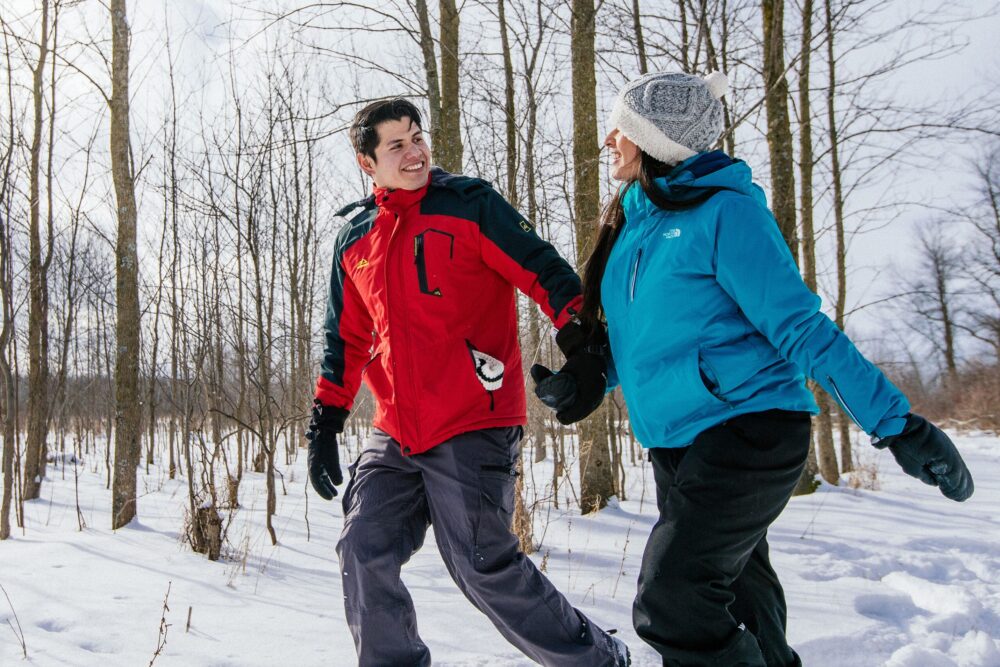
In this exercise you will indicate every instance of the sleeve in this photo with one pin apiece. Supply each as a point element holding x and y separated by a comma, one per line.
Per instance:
<point>348,340</point>
<point>755,267</point>
<point>511,247</point>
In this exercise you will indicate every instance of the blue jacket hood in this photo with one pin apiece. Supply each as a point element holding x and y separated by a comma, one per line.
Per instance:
<point>714,171</point>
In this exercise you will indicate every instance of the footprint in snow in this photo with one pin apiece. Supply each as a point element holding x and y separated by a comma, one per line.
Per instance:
<point>52,625</point>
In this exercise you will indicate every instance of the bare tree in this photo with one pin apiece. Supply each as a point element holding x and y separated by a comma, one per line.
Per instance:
<point>445,103</point>
<point>931,293</point>
<point>846,457</point>
<point>822,455</point>
<point>597,479</point>
<point>9,396</point>
<point>640,43</point>
<point>38,330</point>
<point>432,79</point>
<point>128,445</point>
<point>510,121</point>
<point>779,133</point>
<point>981,320</point>
<point>449,150</point>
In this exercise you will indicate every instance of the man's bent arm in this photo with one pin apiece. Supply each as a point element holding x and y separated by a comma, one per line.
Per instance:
<point>512,248</point>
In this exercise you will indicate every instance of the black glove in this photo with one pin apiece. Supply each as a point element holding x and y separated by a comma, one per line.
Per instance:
<point>579,386</point>
<point>923,451</point>
<point>324,455</point>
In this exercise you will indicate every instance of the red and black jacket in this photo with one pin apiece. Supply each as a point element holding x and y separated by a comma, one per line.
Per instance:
<point>422,307</point>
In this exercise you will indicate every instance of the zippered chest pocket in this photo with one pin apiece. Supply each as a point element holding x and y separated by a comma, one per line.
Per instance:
<point>633,278</point>
<point>433,249</point>
<point>663,251</point>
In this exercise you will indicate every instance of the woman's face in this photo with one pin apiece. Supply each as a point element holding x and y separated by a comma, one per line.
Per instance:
<point>624,156</point>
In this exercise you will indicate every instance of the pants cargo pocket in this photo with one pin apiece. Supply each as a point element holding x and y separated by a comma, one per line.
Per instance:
<point>495,545</point>
<point>349,489</point>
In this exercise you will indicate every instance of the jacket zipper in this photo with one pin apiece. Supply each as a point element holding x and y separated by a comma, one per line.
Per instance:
<point>399,331</point>
<point>635,275</point>
<point>843,403</point>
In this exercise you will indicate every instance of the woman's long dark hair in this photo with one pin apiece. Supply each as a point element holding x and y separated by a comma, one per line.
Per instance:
<point>612,222</point>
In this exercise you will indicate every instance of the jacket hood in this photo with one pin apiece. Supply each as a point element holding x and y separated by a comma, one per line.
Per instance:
<point>713,170</point>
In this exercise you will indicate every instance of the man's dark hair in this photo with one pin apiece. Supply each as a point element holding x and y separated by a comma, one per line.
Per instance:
<point>364,135</point>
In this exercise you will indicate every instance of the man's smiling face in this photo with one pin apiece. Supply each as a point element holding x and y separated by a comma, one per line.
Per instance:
<point>402,157</point>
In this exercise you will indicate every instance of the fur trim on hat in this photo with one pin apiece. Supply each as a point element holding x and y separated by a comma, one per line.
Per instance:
<point>647,136</point>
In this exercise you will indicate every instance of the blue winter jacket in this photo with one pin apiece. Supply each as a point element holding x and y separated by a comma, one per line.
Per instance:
<point>709,318</point>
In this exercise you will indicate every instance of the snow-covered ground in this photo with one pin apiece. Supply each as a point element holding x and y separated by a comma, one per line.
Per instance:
<point>899,576</point>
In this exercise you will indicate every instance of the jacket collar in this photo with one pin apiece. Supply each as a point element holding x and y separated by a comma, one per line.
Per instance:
<point>399,200</point>
<point>710,170</point>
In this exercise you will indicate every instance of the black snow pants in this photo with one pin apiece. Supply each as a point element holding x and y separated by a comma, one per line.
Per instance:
<point>465,488</point>
<point>707,592</point>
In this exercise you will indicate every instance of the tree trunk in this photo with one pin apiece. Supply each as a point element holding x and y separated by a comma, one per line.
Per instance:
<point>38,334</point>
<point>509,111</point>
<point>430,72</point>
<point>685,40</point>
<point>825,456</point>
<point>448,150</point>
<point>779,132</point>
<point>536,412</point>
<point>640,44</point>
<point>726,141</point>
<point>8,400</point>
<point>597,478</point>
<point>9,397</point>
<point>127,407</point>
<point>846,456</point>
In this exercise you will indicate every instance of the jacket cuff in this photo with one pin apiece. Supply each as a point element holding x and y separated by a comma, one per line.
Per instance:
<point>332,395</point>
<point>329,417</point>
<point>887,428</point>
<point>568,312</point>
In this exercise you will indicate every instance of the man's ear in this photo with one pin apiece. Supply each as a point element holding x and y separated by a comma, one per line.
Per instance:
<point>367,164</point>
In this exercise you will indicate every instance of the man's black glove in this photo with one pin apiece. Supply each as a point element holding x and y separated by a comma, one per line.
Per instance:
<point>324,455</point>
<point>923,451</point>
<point>579,386</point>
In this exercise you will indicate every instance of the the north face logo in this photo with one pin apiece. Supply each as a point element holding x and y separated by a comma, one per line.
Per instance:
<point>671,233</point>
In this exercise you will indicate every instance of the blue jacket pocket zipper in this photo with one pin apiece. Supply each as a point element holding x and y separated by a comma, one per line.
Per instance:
<point>635,275</point>
<point>843,403</point>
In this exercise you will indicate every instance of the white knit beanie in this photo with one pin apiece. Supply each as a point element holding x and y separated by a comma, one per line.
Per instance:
<point>671,116</point>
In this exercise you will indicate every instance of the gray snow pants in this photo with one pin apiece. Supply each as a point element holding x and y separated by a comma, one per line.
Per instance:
<point>465,487</point>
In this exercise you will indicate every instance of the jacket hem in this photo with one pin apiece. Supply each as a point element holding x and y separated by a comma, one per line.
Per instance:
<point>446,435</point>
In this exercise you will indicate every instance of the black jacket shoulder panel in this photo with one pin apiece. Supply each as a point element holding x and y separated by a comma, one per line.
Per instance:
<point>467,187</point>
<point>456,195</point>
<point>357,225</point>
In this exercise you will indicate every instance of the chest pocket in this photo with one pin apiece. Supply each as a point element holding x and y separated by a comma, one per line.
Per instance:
<point>433,253</point>
<point>662,255</point>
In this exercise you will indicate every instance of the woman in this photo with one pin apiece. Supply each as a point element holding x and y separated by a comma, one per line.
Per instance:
<point>712,333</point>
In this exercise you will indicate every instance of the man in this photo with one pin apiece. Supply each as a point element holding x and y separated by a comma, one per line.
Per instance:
<point>422,306</point>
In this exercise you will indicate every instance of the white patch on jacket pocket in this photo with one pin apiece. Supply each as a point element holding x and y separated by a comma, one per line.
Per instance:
<point>489,370</point>
<point>672,233</point>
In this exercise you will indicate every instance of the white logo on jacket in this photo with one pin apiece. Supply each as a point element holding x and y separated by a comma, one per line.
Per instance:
<point>671,233</point>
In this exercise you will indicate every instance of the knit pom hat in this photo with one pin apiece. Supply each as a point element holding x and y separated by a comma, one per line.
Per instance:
<point>671,116</point>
